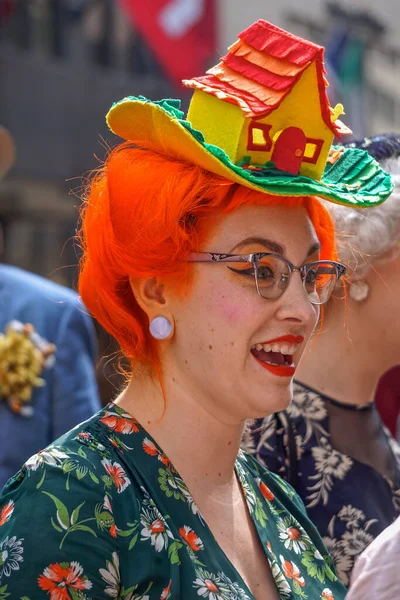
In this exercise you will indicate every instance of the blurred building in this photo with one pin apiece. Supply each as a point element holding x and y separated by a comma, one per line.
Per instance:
<point>62,64</point>
<point>315,20</point>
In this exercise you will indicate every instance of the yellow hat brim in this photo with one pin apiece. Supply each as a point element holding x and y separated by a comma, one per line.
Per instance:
<point>354,179</point>
<point>136,120</point>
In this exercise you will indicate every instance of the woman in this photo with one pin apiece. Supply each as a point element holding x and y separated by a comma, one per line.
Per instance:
<point>194,274</point>
<point>330,443</point>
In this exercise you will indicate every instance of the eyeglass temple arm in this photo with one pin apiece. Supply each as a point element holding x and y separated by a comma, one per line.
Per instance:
<point>216,257</point>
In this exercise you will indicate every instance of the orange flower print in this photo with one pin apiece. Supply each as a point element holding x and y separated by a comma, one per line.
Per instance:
<point>6,512</point>
<point>166,591</point>
<point>121,423</point>
<point>60,579</point>
<point>113,531</point>
<point>116,475</point>
<point>269,548</point>
<point>327,594</point>
<point>191,538</point>
<point>266,492</point>
<point>150,448</point>
<point>292,571</point>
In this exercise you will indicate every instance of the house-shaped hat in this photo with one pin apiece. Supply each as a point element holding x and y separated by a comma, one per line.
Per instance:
<point>262,118</point>
<point>266,101</point>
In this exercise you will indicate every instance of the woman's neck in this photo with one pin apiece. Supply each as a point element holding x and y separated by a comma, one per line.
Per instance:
<point>201,444</point>
<point>343,361</point>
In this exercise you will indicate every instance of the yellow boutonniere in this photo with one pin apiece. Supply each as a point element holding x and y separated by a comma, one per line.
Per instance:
<point>24,354</point>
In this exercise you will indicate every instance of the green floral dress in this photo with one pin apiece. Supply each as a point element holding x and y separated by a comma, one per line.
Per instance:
<point>102,513</point>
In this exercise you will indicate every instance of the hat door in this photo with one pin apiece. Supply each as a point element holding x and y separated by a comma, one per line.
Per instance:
<point>289,150</point>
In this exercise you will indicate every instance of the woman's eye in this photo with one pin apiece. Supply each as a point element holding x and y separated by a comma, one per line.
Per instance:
<point>265,273</point>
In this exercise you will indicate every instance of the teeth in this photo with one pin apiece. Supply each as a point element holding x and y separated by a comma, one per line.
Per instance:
<point>284,348</point>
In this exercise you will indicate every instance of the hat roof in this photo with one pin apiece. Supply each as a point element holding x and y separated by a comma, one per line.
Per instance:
<point>262,68</point>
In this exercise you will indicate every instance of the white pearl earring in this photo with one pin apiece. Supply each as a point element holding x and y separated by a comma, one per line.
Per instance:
<point>359,290</point>
<point>161,328</point>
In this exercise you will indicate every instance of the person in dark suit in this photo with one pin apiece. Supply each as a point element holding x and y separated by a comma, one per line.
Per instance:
<point>69,394</point>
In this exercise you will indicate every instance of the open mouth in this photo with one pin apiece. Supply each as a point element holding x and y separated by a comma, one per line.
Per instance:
<point>273,358</point>
<point>277,356</point>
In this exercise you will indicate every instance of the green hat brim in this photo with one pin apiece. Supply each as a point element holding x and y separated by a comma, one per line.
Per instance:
<point>354,179</point>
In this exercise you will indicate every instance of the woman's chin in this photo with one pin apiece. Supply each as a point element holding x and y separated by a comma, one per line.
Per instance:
<point>274,400</point>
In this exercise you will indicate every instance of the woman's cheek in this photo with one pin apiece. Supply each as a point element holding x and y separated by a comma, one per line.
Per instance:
<point>231,306</point>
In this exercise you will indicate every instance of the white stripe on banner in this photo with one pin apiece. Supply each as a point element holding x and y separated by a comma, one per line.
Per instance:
<point>179,16</point>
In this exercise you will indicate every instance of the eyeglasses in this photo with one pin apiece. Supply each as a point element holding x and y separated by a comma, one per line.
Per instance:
<point>271,273</point>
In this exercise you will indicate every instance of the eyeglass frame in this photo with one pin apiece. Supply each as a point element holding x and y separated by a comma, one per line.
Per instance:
<point>255,257</point>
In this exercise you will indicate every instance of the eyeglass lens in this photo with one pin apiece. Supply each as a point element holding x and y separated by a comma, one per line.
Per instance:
<point>273,275</point>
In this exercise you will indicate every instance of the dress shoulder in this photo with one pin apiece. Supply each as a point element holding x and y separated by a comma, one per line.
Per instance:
<point>64,518</point>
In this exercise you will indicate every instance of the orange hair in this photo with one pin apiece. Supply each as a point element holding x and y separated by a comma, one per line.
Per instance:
<point>141,218</point>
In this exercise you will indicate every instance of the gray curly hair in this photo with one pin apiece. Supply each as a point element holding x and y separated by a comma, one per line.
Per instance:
<point>368,236</point>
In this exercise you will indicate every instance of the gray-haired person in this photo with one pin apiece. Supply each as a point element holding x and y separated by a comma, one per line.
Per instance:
<point>330,443</point>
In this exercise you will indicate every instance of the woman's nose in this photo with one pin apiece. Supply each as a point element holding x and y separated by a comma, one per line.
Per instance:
<point>295,302</point>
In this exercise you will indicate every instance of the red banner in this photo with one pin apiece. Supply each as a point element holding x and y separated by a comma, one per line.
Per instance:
<point>181,33</point>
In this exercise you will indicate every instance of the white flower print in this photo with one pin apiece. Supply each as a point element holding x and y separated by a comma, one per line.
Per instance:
<point>329,465</point>
<point>155,529</point>
<point>346,549</point>
<point>51,456</point>
<point>356,541</point>
<point>330,543</point>
<point>343,563</point>
<point>310,406</point>
<point>249,494</point>
<point>280,581</point>
<point>11,551</point>
<point>248,441</point>
<point>192,504</point>
<point>353,517</point>
<point>330,462</point>
<point>293,535</point>
<point>236,592</point>
<point>210,586</point>
<point>327,594</point>
<point>111,576</point>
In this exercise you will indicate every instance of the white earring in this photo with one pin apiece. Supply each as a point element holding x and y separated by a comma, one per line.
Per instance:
<point>161,328</point>
<point>359,290</point>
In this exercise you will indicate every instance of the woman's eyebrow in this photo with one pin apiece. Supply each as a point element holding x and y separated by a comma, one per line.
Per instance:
<point>273,246</point>
<point>314,248</point>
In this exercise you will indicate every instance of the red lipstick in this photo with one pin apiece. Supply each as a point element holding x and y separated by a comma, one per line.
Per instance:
<point>291,339</point>
<point>279,370</point>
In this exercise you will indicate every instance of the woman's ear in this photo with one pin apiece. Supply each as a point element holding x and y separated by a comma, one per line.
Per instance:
<point>149,294</point>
